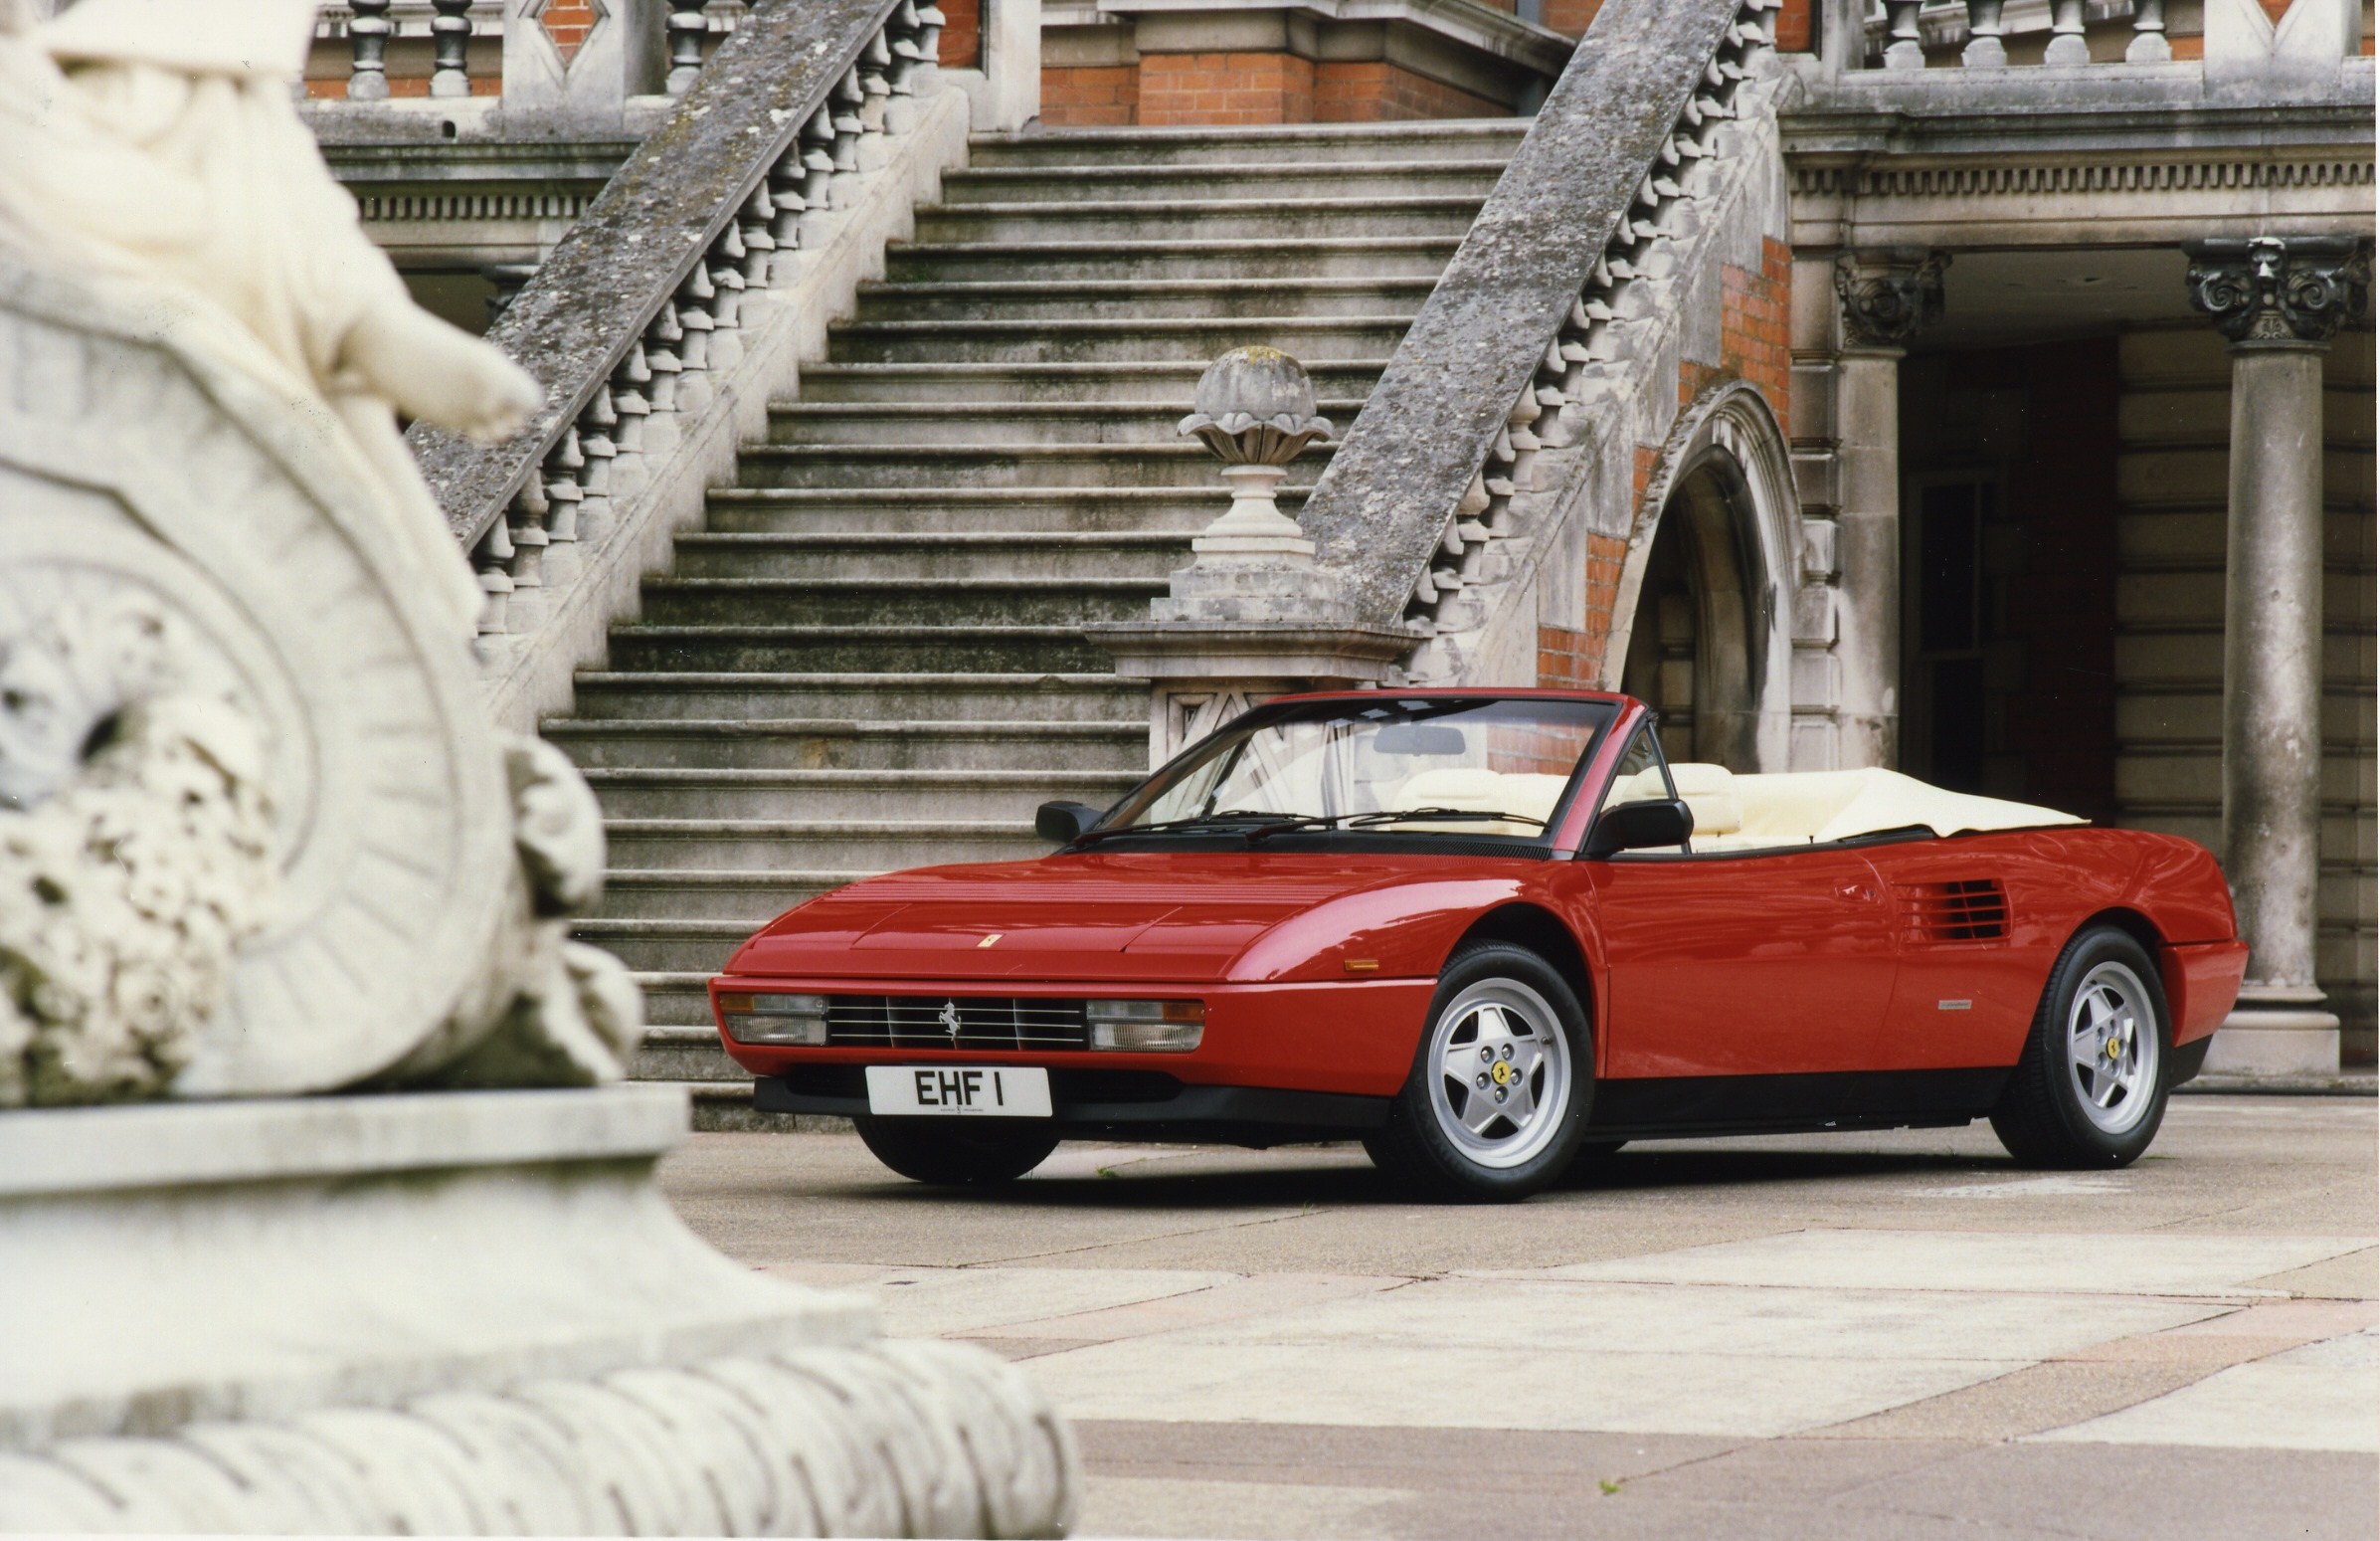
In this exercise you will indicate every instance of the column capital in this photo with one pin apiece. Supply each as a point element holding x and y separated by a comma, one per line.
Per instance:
<point>2288,290</point>
<point>1886,295</point>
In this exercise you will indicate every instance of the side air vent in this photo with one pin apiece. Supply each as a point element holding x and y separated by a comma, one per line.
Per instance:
<point>1971,910</point>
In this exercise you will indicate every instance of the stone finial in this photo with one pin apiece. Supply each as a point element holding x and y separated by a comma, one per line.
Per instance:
<point>1886,297</point>
<point>1256,411</point>
<point>2296,290</point>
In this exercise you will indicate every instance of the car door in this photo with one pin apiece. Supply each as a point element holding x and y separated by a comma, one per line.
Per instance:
<point>1759,963</point>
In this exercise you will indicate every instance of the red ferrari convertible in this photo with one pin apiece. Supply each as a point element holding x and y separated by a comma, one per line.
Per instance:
<point>1489,933</point>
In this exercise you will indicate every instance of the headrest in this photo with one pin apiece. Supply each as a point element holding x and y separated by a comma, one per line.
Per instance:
<point>1710,791</point>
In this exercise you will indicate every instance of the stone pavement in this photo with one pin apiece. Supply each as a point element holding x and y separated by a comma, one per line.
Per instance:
<point>1897,1335</point>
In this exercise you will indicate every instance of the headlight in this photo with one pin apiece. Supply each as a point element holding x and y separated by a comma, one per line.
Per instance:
<point>1146,1027</point>
<point>774,1019</point>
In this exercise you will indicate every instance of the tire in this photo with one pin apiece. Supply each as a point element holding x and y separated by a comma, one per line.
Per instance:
<point>951,1153</point>
<point>2090,1089</point>
<point>1504,1006</point>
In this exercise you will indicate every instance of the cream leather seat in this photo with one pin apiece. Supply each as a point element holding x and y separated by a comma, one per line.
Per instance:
<point>1475,789</point>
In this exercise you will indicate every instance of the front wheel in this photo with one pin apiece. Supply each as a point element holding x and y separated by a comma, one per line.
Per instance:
<point>951,1154</point>
<point>2089,1091</point>
<point>1497,1099</point>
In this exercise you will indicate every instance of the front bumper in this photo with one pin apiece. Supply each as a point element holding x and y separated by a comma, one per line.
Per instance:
<point>1135,1104</point>
<point>1348,1039</point>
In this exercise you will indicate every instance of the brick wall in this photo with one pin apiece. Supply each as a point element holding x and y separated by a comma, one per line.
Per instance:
<point>1247,89</point>
<point>1574,659</point>
<point>568,22</point>
<point>1090,96</point>
<point>962,42</point>
<point>1376,92</point>
<point>1571,16</point>
<point>1225,90</point>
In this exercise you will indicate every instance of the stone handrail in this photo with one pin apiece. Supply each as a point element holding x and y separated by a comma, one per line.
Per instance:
<point>1509,353</point>
<point>640,300</point>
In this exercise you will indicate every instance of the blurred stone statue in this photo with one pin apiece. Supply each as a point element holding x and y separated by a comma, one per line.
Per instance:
<point>256,834</point>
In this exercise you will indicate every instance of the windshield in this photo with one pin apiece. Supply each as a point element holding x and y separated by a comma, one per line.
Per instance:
<point>1470,765</point>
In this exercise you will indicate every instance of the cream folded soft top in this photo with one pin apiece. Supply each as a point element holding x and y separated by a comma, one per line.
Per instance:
<point>1798,807</point>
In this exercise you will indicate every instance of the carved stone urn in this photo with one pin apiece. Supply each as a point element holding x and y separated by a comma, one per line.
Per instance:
<point>1255,410</point>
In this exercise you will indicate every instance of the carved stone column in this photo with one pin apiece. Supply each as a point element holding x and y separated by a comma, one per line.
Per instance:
<point>1884,297</point>
<point>2280,301</point>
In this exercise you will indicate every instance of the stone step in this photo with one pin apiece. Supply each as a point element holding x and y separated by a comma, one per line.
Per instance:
<point>1059,299</point>
<point>776,650</point>
<point>896,602</point>
<point>713,901</point>
<point>761,743</point>
<point>1201,219</point>
<point>1004,797</point>
<point>1005,424</point>
<point>1417,176</point>
<point>941,557</point>
<point>689,1055</point>
<point>1236,257</point>
<point>676,941</point>
<point>981,383</point>
<point>1016,511</point>
<point>1197,339</point>
<point>1323,143</point>
<point>923,468</point>
<point>1090,696</point>
<point>777,845</point>
<point>677,1008</point>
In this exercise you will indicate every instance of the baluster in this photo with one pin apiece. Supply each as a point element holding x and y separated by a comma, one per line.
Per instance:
<point>368,41</point>
<point>661,338</point>
<point>876,86</point>
<point>694,325</point>
<point>596,427</point>
<point>1905,48</point>
<point>529,540</point>
<point>930,22</point>
<point>2066,46</point>
<point>726,260</point>
<point>450,48</point>
<point>685,27</point>
<point>630,383</point>
<point>489,562</point>
<point>1985,49</point>
<point>786,181</point>
<point>818,139</point>
<point>756,227</point>
<point>2148,45</point>
<point>565,464</point>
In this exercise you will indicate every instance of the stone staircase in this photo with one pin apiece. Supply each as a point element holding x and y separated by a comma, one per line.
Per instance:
<point>871,656</point>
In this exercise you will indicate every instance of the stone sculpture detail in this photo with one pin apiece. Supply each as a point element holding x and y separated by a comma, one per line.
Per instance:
<point>123,895</point>
<point>2276,290</point>
<point>174,248</point>
<point>1887,300</point>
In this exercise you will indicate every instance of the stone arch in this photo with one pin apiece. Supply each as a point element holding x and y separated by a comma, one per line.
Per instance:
<point>1715,546</point>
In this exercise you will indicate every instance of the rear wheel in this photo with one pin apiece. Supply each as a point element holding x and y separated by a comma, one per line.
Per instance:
<point>953,1153</point>
<point>1497,1099</point>
<point>2089,1091</point>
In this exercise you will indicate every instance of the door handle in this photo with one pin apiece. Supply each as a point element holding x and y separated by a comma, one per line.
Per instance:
<point>1855,890</point>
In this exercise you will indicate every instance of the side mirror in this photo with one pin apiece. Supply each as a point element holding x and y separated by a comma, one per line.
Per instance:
<point>1637,825</point>
<point>1063,823</point>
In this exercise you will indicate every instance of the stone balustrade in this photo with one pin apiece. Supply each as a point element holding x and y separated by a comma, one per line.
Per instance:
<point>2071,34</point>
<point>639,320</point>
<point>679,36</point>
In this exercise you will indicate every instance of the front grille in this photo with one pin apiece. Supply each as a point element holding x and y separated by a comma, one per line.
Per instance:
<point>926,1020</point>
<point>1970,911</point>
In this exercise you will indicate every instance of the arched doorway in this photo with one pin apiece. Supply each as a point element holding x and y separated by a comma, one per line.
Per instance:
<point>1704,597</point>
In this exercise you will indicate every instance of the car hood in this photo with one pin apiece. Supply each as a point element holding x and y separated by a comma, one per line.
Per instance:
<point>1125,915</point>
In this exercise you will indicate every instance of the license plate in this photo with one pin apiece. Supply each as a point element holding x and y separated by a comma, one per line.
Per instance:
<point>993,1092</point>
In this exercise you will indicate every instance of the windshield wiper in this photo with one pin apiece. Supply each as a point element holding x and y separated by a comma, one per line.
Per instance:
<point>1228,816</point>
<point>1444,815</point>
<point>1387,815</point>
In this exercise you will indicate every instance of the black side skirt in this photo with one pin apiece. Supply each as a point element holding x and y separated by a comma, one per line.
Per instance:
<point>1776,1104</point>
